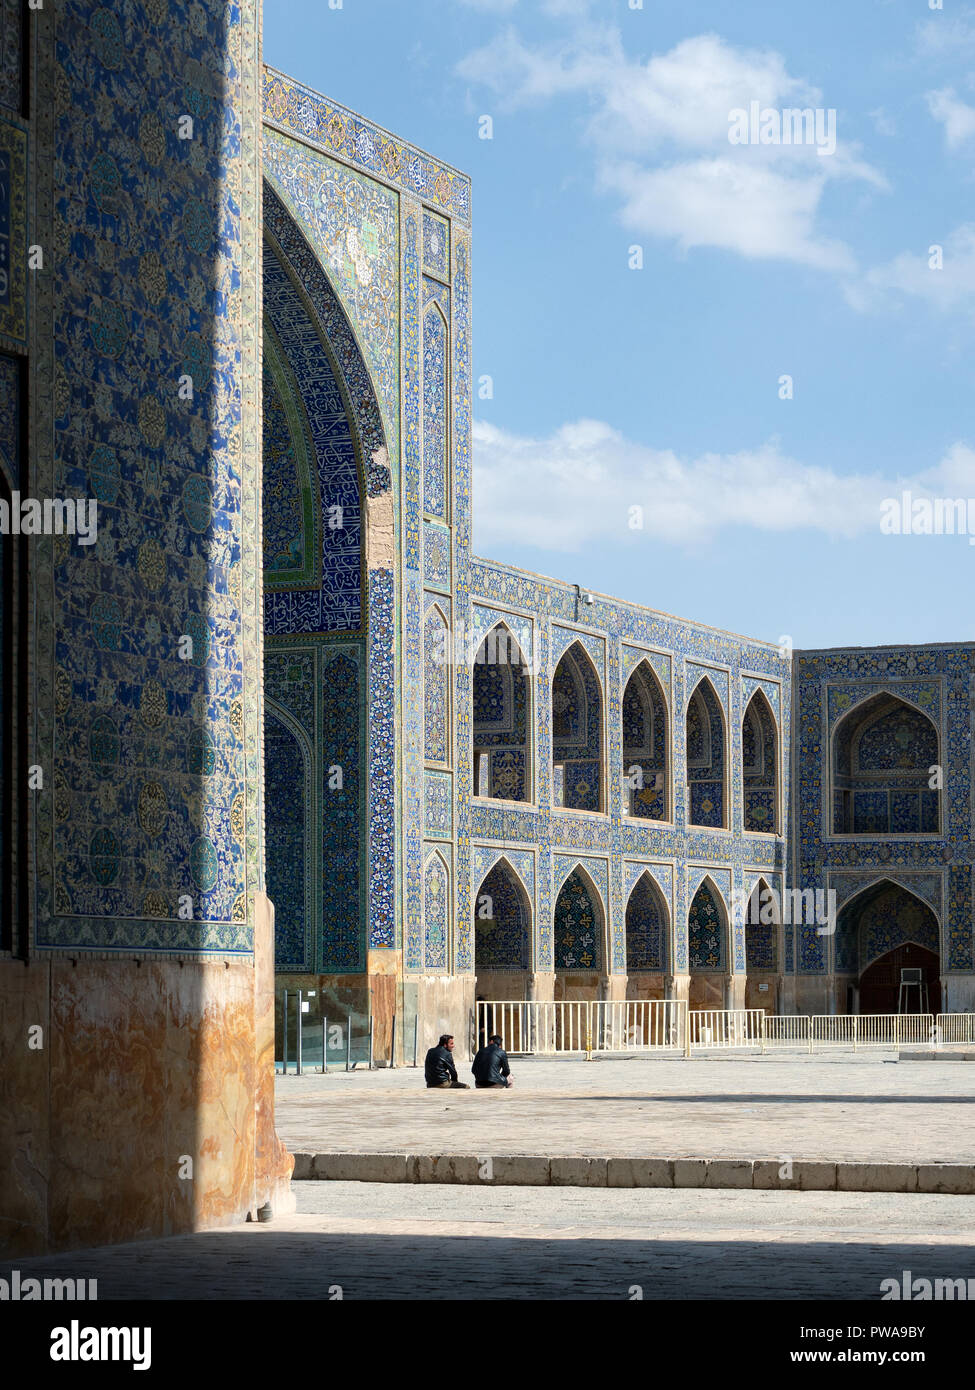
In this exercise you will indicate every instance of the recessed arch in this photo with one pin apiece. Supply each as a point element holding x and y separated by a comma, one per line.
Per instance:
<point>760,766</point>
<point>436,686</point>
<point>763,929</point>
<point>886,923</point>
<point>289,834</point>
<point>436,913</point>
<point>881,755</point>
<point>579,924</point>
<point>329,435</point>
<point>577,732</point>
<point>647,928</point>
<point>708,934</point>
<point>503,921</point>
<point>502,718</point>
<point>646,746</point>
<point>707,757</point>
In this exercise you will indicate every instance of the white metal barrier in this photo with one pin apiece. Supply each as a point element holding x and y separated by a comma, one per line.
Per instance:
<point>667,1025</point>
<point>639,1025</point>
<point>725,1028</point>
<point>956,1028</point>
<point>786,1030</point>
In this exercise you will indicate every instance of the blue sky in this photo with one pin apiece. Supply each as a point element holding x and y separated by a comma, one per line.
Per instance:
<point>659,388</point>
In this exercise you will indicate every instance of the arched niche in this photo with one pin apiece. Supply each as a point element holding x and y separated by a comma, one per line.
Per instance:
<point>883,753</point>
<point>760,767</point>
<point>706,758</point>
<point>646,746</point>
<point>577,733</point>
<point>501,721</point>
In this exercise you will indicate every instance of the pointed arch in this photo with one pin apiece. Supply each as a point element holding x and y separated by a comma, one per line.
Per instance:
<point>646,745</point>
<point>436,913</point>
<point>707,757</point>
<point>764,944</point>
<point>881,755</point>
<point>502,720</point>
<point>647,927</point>
<point>886,921</point>
<point>708,931</point>
<point>579,923</point>
<point>760,766</point>
<point>503,920</point>
<point>577,732</point>
<point>330,412</point>
<point>436,686</point>
<point>289,835</point>
<point>436,450</point>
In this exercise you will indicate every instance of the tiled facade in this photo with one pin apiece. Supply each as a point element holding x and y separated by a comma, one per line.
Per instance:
<point>250,342</point>
<point>616,741</point>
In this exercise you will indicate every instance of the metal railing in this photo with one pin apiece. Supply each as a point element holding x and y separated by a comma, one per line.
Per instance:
<point>956,1028</point>
<point>639,1025</point>
<point>787,1030</point>
<point>545,1027</point>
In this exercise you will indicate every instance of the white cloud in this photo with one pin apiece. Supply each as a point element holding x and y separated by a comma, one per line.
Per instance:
<point>659,134</point>
<point>747,208</point>
<point>956,116</point>
<point>911,275</point>
<point>575,489</point>
<point>947,36</point>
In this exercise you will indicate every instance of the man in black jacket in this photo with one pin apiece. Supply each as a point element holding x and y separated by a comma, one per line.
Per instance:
<point>439,1069</point>
<point>491,1065</point>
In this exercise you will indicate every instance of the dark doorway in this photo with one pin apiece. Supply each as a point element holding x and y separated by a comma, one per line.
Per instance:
<point>880,982</point>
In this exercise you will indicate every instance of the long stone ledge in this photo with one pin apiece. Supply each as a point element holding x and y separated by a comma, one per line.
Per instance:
<point>579,1170</point>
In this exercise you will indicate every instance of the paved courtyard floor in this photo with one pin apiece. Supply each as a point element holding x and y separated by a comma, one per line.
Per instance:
<point>391,1241</point>
<point>867,1107</point>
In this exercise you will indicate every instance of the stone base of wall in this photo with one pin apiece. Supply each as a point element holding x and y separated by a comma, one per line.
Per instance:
<point>707,991</point>
<point>143,1107</point>
<point>958,994</point>
<point>813,994</point>
<point>503,984</point>
<point>646,986</point>
<point>444,1004</point>
<point>758,998</point>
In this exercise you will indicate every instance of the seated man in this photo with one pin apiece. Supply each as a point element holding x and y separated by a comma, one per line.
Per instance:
<point>491,1065</point>
<point>439,1069</point>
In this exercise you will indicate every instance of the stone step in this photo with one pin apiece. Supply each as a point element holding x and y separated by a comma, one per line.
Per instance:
<point>935,1055</point>
<point>572,1170</point>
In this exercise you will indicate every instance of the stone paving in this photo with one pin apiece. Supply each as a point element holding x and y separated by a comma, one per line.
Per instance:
<point>867,1107</point>
<point>381,1241</point>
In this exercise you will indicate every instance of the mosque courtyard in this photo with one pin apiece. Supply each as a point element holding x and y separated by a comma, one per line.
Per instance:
<point>439,1227</point>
